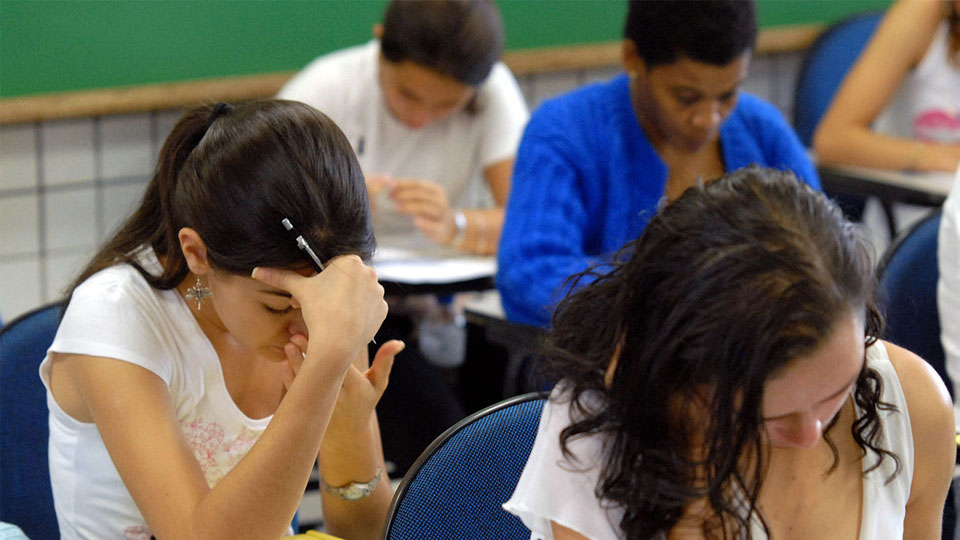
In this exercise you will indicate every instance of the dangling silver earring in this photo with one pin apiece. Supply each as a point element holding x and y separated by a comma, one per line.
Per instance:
<point>199,293</point>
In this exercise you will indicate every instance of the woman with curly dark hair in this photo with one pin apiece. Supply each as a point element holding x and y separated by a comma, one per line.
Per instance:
<point>721,378</point>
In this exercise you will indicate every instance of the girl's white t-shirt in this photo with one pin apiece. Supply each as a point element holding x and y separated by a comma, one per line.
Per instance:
<point>452,152</point>
<point>116,314</point>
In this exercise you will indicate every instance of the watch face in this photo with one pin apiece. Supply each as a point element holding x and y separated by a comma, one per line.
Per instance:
<point>356,491</point>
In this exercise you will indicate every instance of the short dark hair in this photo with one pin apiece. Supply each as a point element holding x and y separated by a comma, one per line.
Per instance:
<point>709,31</point>
<point>461,39</point>
<point>727,285</point>
<point>232,173</point>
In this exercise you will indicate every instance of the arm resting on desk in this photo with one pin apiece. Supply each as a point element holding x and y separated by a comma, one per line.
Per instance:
<point>845,134</point>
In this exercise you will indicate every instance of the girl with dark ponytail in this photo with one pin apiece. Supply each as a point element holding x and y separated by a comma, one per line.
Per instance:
<point>202,365</point>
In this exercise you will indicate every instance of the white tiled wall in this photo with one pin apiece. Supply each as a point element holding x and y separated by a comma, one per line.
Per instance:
<point>66,184</point>
<point>67,152</point>
<point>63,186</point>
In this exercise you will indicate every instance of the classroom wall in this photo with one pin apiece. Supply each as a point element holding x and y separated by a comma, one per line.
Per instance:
<point>65,184</point>
<point>64,45</point>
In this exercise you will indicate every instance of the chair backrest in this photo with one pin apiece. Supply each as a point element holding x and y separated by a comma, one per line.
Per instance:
<point>25,496</point>
<point>456,488</point>
<point>824,66</point>
<point>908,293</point>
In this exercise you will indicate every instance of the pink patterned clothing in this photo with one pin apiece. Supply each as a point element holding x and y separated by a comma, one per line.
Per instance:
<point>927,104</point>
<point>116,314</point>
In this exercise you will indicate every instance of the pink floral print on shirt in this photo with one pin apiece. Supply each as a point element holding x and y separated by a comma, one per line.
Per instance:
<point>216,452</point>
<point>137,532</point>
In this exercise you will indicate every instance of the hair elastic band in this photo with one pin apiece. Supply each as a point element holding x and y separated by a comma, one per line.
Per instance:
<point>218,110</point>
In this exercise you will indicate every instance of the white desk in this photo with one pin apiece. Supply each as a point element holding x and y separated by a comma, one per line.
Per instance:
<point>435,270</point>
<point>925,189</point>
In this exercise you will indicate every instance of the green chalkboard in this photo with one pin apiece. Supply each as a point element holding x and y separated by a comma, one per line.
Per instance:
<point>62,45</point>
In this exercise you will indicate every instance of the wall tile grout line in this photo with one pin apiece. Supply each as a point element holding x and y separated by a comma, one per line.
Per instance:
<point>126,180</point>
<point>154,138</point>
<point>41,214</point>
<point>98,202</point>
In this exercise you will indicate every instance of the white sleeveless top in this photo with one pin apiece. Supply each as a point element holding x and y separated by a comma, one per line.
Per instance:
<point>927,104</point>
<point>552,488</point>
<point>116,314</point>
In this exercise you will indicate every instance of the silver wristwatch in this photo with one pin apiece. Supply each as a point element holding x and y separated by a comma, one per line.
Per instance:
<point>354,491</point>
<point>460,224</point>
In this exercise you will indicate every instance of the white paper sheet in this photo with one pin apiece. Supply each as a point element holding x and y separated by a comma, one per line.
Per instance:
<point>438,266</point>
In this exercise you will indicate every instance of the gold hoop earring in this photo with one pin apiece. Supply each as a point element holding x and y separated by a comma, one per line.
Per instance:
<point>199,293</point>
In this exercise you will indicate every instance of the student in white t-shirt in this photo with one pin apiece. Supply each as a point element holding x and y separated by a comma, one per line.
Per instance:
<point>721,378</point>
<point>202,366</point>
<point>435,119</point>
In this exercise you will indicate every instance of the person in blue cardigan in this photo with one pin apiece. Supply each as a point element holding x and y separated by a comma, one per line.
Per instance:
<point>595,164</point>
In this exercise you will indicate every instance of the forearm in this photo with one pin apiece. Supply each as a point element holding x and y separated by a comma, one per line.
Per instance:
<point>260,495</point>
<point>864,147</point>
<point>355,457</point>
<point>482,231</point>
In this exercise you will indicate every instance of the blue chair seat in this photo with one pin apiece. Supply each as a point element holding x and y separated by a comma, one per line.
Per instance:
<point>456,488</point>
<point>25,496</point>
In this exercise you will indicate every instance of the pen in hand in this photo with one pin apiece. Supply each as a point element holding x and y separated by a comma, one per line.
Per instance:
<point>305,247</point>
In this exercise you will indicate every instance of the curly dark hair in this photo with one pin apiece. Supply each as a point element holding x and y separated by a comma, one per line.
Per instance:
<point>727,285</point>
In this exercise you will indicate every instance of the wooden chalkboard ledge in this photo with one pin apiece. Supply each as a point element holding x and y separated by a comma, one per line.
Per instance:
<point>183,94</point>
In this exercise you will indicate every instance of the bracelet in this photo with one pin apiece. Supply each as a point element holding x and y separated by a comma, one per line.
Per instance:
<point>354,491</point>
<point>460,221</point>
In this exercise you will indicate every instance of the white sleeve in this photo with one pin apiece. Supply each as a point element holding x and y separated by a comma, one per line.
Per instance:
<point>948,287</point>
<point>504,115</point>
<point>114,314</point>
<point>312,85</point>
<point>332,83</point>
<point>554,489</point>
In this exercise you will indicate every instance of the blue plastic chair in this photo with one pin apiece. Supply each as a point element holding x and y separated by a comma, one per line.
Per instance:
<point>25,496</point>
<point>456,488</point>
<point>908,295</point>
<point>824,66</point>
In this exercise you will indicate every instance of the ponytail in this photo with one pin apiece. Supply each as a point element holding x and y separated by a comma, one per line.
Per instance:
<point>232,173</point>
<point>154,223</point>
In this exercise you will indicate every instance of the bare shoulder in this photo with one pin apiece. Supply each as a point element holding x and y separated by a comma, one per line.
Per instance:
<point>78,381</point>
<point>924,389</point>
<point>931,423</point>
<point>934,443</point>
<point>909,27</point>
<point>920,8</point>
<point>920,13</point>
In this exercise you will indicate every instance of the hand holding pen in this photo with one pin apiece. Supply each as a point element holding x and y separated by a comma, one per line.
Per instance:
<point>305,247</point>
<point>342,308</point>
